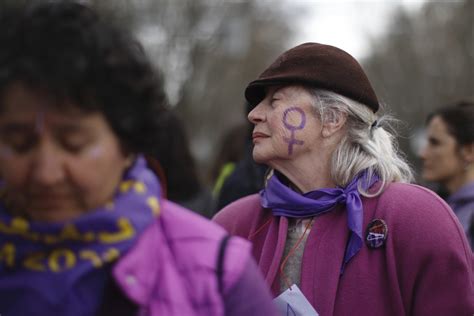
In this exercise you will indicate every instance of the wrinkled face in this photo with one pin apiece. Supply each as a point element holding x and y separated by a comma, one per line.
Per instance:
<point>442,161</point>
<point>55,165</point>
<point>286,127</point>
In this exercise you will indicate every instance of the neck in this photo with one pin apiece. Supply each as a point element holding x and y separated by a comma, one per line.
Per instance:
<point>306,174</point>
<point>457,182</point>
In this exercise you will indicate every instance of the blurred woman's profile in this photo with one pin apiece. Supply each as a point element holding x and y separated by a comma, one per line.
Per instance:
<point>448,158</point>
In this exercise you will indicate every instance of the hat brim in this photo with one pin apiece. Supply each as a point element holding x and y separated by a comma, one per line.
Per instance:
<point>255,91</point>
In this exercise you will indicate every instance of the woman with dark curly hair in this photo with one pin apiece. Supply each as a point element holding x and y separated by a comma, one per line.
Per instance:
<point>84,227</point>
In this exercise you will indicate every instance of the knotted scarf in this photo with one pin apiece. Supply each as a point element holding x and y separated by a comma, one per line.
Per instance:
<point>62,269</point>
<point>283,201</point>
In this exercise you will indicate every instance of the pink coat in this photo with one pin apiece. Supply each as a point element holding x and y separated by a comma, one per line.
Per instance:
<point>425,267</point>
<point>172,268</point>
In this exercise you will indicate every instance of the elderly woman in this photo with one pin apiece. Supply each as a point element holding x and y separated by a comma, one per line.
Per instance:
<point>338,230</point>
<point>448,158</point>
<point>84,228</point>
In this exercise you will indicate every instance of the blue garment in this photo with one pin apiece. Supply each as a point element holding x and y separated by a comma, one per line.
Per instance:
<point>462,203</point>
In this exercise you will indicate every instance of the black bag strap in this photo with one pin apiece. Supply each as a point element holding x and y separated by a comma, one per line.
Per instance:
<point>115,302</point>
<point>220,263</point>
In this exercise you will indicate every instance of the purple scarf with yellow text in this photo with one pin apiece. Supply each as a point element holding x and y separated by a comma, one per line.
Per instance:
<point>62,269</point>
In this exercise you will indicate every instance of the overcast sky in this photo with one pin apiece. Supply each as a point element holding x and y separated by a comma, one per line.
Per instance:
<point>347,24</point>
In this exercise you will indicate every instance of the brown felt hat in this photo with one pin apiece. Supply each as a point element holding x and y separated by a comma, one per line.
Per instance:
<point>319,66</point>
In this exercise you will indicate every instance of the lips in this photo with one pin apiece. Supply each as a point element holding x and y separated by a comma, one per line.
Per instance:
<point>49,203</point>
<point>50,200</point>
<point>258,135</point>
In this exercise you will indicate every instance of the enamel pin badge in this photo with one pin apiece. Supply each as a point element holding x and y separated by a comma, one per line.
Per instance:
<point>377,232</point>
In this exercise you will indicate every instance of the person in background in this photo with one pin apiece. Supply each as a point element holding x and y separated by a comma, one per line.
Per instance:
<point>448,158</point>
<point>182,183</point>
<point>338,229</point>
<point>246,176</point>
<point>231,150</point>
<point>84,228</point>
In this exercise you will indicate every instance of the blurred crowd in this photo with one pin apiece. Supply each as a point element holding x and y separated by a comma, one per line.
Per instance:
<point>310,207</point>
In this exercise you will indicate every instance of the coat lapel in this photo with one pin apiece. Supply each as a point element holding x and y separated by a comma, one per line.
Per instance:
<point>323,258</point>
<point>271,249</point>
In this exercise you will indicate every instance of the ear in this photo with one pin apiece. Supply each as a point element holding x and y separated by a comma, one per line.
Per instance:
<point>333,123</point>
<point>467,152</point>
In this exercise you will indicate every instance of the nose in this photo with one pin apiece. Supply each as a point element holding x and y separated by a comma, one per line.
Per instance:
<point>48,166</point>
<point>256,115</point>
<point>422,152</point>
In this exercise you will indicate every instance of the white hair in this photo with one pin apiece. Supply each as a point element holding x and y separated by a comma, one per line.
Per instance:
<point>367,145</point>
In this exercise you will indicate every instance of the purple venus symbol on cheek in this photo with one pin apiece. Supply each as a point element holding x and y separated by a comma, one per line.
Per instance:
<point>292,140</point>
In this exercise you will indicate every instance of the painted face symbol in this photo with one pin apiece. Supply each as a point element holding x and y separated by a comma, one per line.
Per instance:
<point>293,128</point>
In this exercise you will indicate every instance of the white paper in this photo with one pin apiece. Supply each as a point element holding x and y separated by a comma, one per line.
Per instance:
<point>292,302</point>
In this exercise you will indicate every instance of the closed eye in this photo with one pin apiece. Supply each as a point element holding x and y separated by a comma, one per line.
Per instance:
<point>19,137</point>
<point>75,141</point>
<point>21,144</point>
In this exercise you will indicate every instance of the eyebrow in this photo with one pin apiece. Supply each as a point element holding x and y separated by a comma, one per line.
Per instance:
<point>277,89</point>
<point>14,127</point>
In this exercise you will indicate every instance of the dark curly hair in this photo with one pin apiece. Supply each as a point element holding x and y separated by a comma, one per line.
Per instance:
<point>69,52</point>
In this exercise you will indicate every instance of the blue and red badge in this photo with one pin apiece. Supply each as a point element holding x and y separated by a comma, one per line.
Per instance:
<point>377,232</point>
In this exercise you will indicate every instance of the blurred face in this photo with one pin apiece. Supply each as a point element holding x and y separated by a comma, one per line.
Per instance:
<point>55,165</point>
<point>442,161</point>
<point>286,127</point>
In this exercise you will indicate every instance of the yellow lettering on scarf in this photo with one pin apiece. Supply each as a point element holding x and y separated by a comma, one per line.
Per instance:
<point>125,186</point>
<point>154,205</point>
<point>111,254</point>
<point>126,232</point>
<point>139,187</point>
<point>54,260</point>
<point>92,256</point>
<point>18,226</point>
<point>34,262</point>
<point>7,254</point>
<point>69,232</point>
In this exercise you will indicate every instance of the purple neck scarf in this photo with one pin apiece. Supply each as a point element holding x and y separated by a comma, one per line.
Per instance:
<point>283,201</point>
<point>62,269</point>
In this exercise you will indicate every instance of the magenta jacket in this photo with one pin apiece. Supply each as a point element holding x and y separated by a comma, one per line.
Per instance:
<point>425,267</point>
<point>172,269</point>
